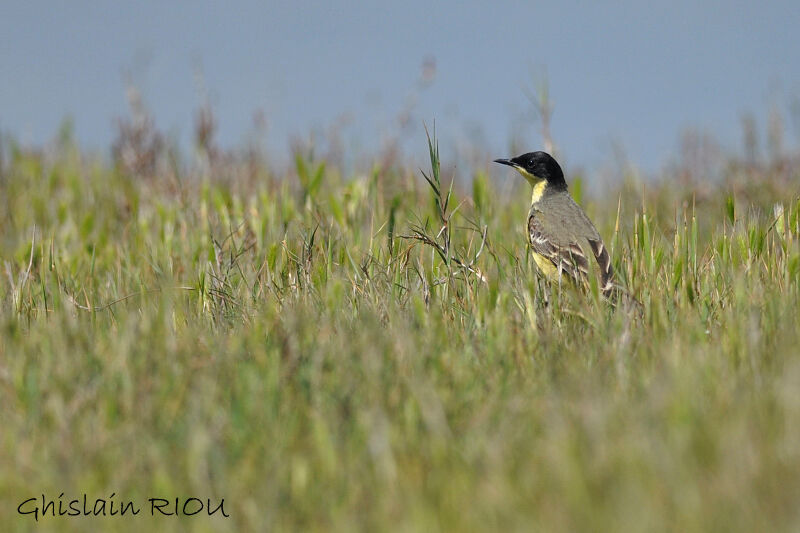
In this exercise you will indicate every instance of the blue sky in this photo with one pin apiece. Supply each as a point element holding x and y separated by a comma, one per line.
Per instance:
<point>631,73</point>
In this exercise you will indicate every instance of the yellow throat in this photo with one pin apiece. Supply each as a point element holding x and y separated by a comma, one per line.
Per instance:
<point>538,191</point>
<point>537,183</point>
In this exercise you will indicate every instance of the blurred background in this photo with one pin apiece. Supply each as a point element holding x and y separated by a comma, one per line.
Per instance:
<point>622,80</point>
<point>222,273</point>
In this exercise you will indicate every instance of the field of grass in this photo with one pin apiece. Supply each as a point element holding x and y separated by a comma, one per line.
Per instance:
<point>291,343</point>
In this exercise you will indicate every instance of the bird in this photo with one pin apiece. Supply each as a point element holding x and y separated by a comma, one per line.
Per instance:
<point>559,232</point>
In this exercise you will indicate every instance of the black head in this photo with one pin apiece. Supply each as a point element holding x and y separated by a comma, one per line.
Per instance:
<point>537,166</point>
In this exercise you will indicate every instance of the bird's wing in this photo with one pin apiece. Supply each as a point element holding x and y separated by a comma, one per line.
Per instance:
<point>561,233</point>
<point>604,262</point>
<point>566,255</point>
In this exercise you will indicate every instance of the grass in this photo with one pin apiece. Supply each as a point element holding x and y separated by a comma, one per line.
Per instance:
<point>370,351</point>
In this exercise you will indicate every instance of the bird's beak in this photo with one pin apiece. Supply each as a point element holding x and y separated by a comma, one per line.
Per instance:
<point>505,162</point>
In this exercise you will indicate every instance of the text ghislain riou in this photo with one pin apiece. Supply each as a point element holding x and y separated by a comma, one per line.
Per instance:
<point>44,507</point>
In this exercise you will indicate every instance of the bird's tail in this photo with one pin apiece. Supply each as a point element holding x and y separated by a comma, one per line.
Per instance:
<point>604,262</point>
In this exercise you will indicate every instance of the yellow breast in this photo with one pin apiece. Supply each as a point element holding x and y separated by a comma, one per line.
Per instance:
<point>545,265</point>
